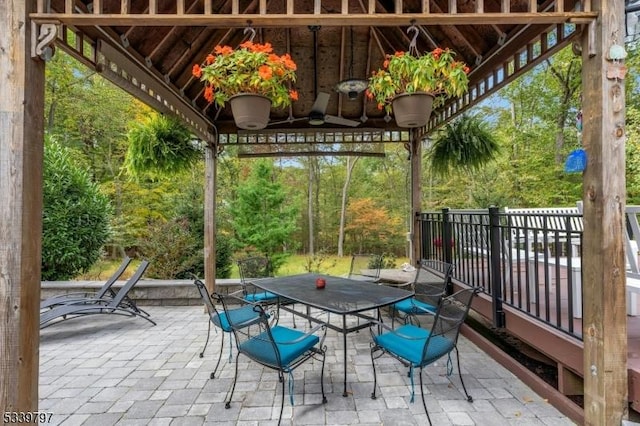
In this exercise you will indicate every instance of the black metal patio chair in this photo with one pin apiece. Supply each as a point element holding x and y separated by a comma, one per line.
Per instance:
<point>429,286</point>
<point>276,347</point>
<point>365,267</point>
<point>260,267</point>
<point>417,347</point>
<point>255,267</point>
<point>220,320</point>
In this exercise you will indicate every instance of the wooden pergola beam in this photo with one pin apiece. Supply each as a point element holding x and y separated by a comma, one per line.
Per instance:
<point>604,196</point>
<point>21,152</point>
<point>303,20</point>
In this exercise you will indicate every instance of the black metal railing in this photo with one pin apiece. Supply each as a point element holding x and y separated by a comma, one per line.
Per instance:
<point>529,261</point>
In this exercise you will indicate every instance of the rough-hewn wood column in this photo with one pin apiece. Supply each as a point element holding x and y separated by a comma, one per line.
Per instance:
<point>210,186</point>
<point>21,141</point>
<point>416,197</point>
<point>605,320</point>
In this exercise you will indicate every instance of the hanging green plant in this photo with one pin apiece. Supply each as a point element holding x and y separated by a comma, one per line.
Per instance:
<point>161,145</point>
<point>463,144</point>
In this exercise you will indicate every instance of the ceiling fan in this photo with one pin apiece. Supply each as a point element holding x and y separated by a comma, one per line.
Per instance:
<point>318,114</point>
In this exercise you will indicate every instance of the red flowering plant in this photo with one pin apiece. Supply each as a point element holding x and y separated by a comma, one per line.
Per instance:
<point>251,68</point>
<point>435,72</point>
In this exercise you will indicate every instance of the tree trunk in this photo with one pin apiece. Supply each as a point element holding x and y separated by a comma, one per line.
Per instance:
<point>567,83</point>
<point>343,206</point>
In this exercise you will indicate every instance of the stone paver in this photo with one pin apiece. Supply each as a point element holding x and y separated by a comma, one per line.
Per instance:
<point>112,370</point>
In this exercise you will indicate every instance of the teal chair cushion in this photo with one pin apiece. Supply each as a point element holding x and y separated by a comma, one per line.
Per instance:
<point>238,316</point>
<point>261,348</point>
<point>408,341</point>
<point>413,306</point>
<point>264,296</point>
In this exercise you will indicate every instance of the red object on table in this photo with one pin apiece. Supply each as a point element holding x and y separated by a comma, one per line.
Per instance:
<point>320,283</point>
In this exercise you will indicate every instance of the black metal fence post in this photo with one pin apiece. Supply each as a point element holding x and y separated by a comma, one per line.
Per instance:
<point>447,234</point>
<point>425,226</point>
<point>496,281</point>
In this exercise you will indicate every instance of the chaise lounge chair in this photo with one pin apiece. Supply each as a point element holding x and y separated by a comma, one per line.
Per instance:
<point>120,304</point>
<point>105,290</point>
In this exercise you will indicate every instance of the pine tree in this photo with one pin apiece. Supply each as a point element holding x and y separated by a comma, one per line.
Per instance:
<point>264,218</point>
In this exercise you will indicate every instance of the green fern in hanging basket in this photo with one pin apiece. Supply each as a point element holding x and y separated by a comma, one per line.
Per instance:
<point>464,144</point>
<point>160,145</point>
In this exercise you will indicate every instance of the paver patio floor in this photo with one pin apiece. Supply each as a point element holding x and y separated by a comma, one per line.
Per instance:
<point>114,370</point>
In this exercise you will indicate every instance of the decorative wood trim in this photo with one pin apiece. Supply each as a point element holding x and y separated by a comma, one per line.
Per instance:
<point>137,80</point>
<point>42,39</point>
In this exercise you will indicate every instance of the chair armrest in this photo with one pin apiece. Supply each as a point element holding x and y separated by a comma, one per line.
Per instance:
<point>236,294</point>
<point>423,310</point>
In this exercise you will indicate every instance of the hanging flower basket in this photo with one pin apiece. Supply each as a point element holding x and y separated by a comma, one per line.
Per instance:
<point>251,69</point>
<point>412,109</point>
<point>435,74</point>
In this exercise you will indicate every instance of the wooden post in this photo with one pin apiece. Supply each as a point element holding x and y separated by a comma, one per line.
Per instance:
<point>605,320</point>
<point>415,148</point>
<point>210,217</point>
<point>21,148</point>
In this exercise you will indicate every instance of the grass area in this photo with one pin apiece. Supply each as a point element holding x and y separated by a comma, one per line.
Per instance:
<point>297,264</point>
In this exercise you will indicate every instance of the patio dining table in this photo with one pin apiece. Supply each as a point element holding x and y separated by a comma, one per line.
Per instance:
<point>340,296</point>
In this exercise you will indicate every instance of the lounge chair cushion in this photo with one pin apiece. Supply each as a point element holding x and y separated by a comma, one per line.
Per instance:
<point>264,296</point>
<point>261,349</point>
<point>408,342</point>
<point>413,306</point>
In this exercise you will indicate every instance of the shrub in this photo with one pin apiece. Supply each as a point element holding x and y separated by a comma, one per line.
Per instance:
<point>170,249</point>
<point>75,222</point>
<point>175,248</point>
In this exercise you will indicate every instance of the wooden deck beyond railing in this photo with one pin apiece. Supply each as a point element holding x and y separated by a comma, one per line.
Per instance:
<point>530,272</point>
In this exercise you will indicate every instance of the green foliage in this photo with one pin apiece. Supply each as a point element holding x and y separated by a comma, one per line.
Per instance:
<point>319,262</point>
<point>263,217</point>
<point>172,250</point>
<point>175,247</point>
<point>465,144</point>
<point>75,216</point>
<point>435,72</point>
<point>190,207</point>
<point>86,112</point>
<point>633,154</point>
<point>160,145</point>
<point>251,68</point>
